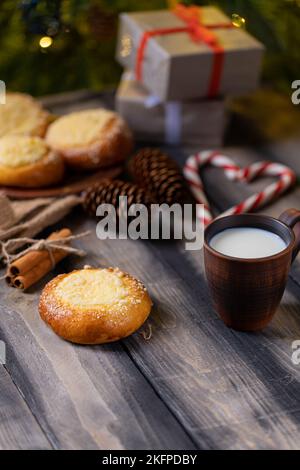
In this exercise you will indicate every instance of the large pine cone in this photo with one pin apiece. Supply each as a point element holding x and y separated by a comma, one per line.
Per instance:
<point>109,191</point>
<point>156,171</point>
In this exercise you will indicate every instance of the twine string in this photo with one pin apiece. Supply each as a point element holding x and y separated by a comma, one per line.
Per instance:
<point>147,332</point>
<point>40,245</point>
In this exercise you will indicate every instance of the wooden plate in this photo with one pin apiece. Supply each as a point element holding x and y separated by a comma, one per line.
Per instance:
<point>73,184</point>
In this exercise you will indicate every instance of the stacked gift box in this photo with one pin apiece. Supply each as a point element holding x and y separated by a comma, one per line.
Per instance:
<point>180,66</point>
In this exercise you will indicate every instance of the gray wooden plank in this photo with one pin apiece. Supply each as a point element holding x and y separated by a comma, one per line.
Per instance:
<point>286,324</point>
<point>140,267</point>
<point>64,103</point>
<point>278,337</point>
<point>278,434</point>
<point>149,424</point>
<point>82,397</point>
<point>227,378</point>
<point>204,372</point>
<point>18,427</point>
<point>43,389</point>
<point>132,400</point>
<point>265,363</point>
<point>284,151</point>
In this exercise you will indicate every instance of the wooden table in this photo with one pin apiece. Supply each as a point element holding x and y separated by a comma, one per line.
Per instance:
<point>194,385</point>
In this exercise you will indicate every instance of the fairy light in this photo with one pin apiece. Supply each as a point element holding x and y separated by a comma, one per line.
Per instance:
<point>45,42</point>
<point>126,45</point>
<point>238,20</point>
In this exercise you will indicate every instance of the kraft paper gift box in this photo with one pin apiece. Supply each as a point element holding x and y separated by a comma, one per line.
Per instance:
<point>189,52</point>
<point>195,122</point>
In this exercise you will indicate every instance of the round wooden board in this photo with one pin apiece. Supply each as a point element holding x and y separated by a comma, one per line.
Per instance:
<point>73,184</point>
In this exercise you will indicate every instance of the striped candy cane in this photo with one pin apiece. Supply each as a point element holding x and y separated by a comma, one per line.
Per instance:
<point>286,178</point>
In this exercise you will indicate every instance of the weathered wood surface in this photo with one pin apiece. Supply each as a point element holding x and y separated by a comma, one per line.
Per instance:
<point>82,397</point>
<point>18,427</point>
<point>195,384</point>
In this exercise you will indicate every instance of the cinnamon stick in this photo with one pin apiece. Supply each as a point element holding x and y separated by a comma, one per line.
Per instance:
<point>24,281</point>
<point>9,280</point>
<point>30,268</point>
<point>27,262</point>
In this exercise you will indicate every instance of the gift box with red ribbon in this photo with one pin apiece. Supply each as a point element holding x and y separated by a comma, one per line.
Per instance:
<point>199,122</point>
<point>189,52</point>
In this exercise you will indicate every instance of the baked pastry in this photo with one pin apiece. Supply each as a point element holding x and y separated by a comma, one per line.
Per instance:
<point>23,115</point>
<point>93,306</point>
<point>91,138</point>
<point>28,162</point>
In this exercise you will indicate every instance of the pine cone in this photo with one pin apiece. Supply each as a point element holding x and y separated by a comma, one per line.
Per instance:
<point>109,191</point>
<point>156,171</point>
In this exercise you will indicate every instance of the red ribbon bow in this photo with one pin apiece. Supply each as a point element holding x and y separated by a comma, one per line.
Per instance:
<point>191,15</point>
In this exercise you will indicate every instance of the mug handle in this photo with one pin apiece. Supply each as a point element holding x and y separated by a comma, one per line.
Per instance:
<point>291,217</point>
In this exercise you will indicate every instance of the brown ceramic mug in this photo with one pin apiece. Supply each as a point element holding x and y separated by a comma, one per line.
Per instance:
<point>247,291</point>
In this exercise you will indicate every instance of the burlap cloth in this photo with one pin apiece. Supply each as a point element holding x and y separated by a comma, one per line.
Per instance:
<point>27,218</point>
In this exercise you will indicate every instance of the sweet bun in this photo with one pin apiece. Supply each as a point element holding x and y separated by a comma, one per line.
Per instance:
<point>90,139</point>
<point>23,115</point>
<point>28,162</point>
<point>93,306</point>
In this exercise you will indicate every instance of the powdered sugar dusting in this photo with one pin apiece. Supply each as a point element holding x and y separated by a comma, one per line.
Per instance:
<point>101,287</point>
